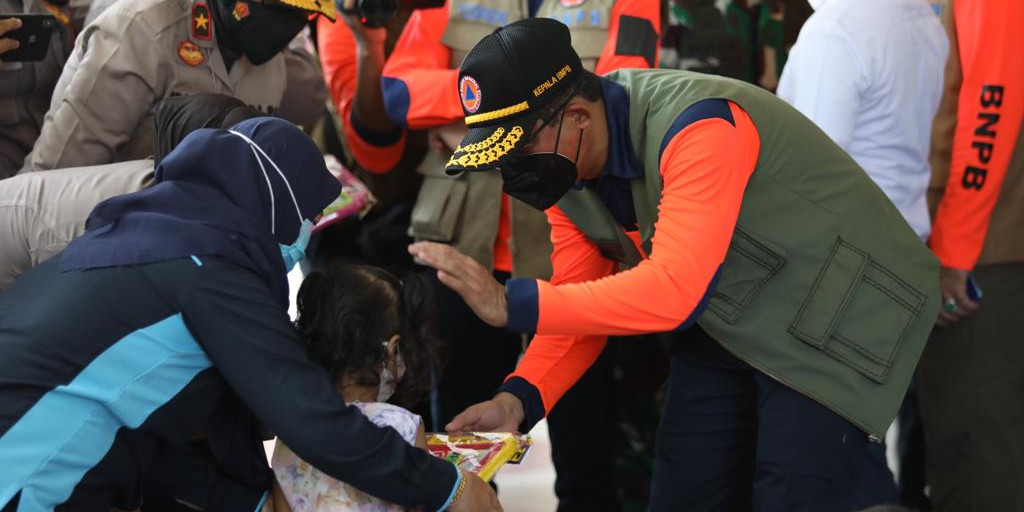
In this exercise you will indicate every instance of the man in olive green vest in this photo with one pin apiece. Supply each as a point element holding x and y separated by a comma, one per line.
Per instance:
<point>420,89</point>
<point>801,296</point>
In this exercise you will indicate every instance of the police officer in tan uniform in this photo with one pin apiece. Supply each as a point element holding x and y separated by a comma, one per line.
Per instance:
<point>305,93</point>
<point>139,52</point>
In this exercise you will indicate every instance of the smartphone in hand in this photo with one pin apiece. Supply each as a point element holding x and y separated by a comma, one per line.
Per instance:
<point>973,290</point>
<point>33,36</point>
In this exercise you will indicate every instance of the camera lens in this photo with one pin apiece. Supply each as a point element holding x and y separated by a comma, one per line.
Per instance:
<point>377,13</point>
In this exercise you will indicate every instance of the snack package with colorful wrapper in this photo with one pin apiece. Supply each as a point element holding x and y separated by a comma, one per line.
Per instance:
<point>355,198</point>
<point>482,453</point>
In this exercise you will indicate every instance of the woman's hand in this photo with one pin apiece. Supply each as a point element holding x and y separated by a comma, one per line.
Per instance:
<point>477,496</point>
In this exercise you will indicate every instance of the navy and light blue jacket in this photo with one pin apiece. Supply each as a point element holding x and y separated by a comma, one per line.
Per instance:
<point>166,323</point>
<point>106,376</point>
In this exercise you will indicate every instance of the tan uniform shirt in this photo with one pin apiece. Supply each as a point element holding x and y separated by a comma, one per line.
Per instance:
<point>25,89</point>
<point>135,54</point>
<point>43,211</point>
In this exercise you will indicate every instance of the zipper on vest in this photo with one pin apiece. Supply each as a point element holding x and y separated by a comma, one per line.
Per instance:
<point>871,437</point>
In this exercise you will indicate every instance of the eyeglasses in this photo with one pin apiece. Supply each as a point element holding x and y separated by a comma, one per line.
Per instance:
<point>556,114</point>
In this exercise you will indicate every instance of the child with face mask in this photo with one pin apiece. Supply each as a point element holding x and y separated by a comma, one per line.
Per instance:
<point>370,331</point>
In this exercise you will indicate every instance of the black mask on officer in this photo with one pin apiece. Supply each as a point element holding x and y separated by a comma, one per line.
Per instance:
<point>541,179</point>
<point>258,31</point>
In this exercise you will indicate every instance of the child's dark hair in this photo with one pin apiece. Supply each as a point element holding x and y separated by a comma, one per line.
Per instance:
<point>347,311</point>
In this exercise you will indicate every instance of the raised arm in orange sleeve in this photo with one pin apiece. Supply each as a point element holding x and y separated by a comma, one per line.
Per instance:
<point>536,381</point>
<point>705,167</point>
<point>633,36</point>
<point>339,60</point>
<point>420,90</point>
<point>989,113</point>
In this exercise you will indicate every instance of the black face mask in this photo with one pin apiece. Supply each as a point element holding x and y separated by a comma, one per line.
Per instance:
<point>262,33</point>
<point>541,179</point>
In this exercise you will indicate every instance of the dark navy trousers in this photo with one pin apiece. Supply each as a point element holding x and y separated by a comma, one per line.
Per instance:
<point>732,439</point>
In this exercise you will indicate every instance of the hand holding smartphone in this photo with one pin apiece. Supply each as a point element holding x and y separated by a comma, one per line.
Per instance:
<point>25,37</point>
<point>8,25</point>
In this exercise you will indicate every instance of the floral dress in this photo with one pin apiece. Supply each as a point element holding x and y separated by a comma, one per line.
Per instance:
<point>306,489</point>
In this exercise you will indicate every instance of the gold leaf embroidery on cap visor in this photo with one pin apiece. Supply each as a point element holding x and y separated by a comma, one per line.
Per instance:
<point>477,146</point>
<point>483,153</point>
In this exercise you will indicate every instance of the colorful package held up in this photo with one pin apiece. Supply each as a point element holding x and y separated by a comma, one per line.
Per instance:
<point>355,198</point>
<point>483,453</point>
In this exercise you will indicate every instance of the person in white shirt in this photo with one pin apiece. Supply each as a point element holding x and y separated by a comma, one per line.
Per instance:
<point>869,73</point>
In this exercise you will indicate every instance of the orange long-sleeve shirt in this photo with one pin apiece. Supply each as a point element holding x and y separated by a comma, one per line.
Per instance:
<point>338,58</point>
<point>989,113</point>
<point>705,166</point>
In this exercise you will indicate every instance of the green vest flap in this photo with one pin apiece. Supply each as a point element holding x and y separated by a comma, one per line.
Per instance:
<point>440,202</point>
<point>594,220</point>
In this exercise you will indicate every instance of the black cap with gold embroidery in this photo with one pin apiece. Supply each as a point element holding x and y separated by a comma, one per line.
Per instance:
<point>504,83</point>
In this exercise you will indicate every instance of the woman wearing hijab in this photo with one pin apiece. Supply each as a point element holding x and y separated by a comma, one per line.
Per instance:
<point>44,211</point>
<point>167,321</point>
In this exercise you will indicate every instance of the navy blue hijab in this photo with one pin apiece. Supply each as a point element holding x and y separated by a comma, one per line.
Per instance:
<point>211,198</point>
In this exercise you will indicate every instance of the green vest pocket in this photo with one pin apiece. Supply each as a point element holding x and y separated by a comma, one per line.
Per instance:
<point>858,312</point>
<point>749,264</point>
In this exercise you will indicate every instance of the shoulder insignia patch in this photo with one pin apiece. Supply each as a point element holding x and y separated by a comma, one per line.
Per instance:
<point>201,22</point>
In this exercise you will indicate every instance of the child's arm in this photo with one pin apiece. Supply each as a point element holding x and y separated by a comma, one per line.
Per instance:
<point>277,503</point>
<point>421,437</point>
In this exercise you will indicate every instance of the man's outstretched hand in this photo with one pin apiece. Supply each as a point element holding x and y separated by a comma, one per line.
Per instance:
<point>503,413</point>
<point>474,283</point>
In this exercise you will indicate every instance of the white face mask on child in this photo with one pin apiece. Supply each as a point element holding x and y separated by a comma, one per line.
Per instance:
<point>389,382</point>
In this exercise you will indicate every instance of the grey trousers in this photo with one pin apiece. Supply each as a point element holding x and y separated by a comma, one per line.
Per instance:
<point>971,392</point>
<point>41,212</point>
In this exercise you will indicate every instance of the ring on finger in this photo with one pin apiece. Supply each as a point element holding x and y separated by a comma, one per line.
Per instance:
<point>950,305</point>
